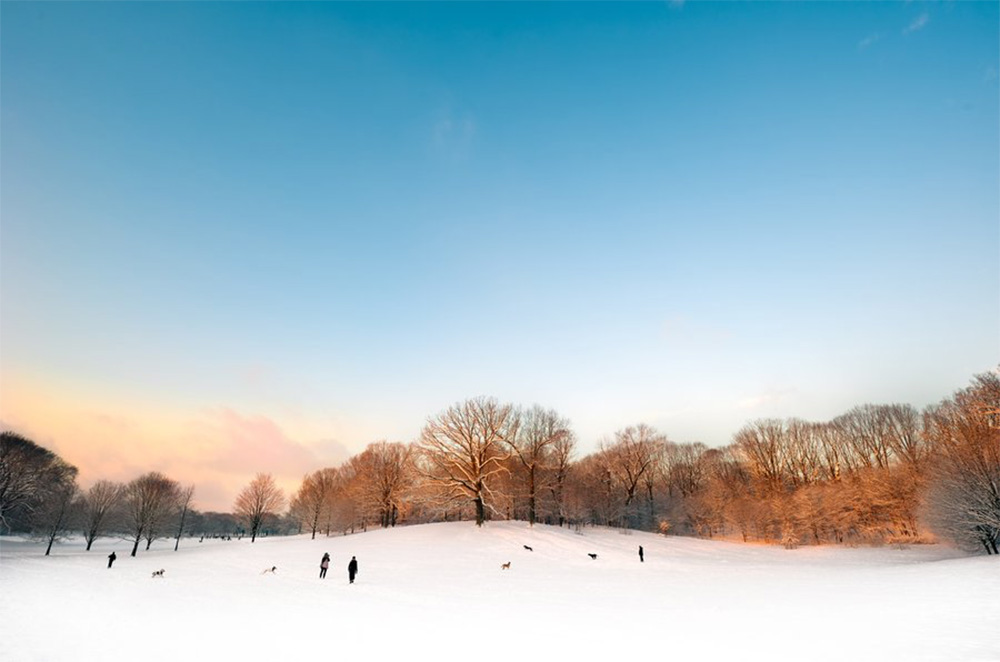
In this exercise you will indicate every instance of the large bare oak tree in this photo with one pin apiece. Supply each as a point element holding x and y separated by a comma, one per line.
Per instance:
<point>462,450</point>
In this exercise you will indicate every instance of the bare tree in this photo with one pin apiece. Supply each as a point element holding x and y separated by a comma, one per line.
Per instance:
<point>868,430</point>
<point>686,468</point>
<point>59,508</point>
<point>593,493</point>
<point>762,445</point>
<point>533,437</point>
<point>560,461</point>
<point>262,497</point>
<point>28,473</point>
<point>729,484</point>
<point>631,456</point>
<point>462,450</point>
<point>653,479</point>
<point>353,510</point>
<point>802,452</point>
<point>183,505</point>
<point>386,474</point>
<point>98,504</point>
<point>904,435</point>
<point>833,453</point>
<point>312,499</point>
<point>964,433</point>
<point>148,502</point>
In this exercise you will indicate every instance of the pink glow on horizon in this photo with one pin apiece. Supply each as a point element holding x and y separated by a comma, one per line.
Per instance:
<point>217,449</point>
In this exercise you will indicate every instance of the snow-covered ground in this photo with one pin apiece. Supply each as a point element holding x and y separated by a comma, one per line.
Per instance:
<point>438,591</point>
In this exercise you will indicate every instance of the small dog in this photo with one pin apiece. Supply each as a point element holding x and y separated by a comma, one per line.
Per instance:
<point>158,573</point>
<point>528,548</point>
<point>593,556</point>
<point>270,571</point>
<point>505,566</point>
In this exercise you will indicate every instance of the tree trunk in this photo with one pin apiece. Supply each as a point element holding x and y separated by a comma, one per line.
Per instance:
<point>531,496</point>
<point>135,547</point>
<point>54,532</point>
<point>180,529</point>
<point>480,511</point>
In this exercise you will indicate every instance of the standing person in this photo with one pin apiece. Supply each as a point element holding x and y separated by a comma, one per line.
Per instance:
<point>640,554</point>
<point>323,565</point>
<point>111,558</point>
<point>352,568</point>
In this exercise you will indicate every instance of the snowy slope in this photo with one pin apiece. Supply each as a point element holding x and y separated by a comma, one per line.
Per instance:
<point>439,589</point>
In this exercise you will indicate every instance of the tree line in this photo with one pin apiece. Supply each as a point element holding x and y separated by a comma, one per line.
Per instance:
<point>875,474</point>
<point>39,496</point>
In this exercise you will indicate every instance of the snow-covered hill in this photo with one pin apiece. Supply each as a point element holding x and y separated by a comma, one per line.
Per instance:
<point>439,590</point>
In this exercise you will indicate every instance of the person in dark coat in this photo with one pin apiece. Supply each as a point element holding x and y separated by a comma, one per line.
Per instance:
<point>352,569</point>
<point>111,558</point>
<point>323,565</point>
<point>640,554</point>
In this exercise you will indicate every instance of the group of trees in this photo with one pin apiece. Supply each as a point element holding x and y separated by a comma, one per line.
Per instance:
<point>39,495</point>
<point>480,459</point>
<point>877,473</point>
<point>36,487</point>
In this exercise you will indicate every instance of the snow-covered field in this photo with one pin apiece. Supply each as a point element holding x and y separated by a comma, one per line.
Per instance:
<point>438,591</point>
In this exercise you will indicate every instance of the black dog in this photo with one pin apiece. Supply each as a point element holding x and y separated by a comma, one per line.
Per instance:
<point>593,556</point>
<point>528,548</point>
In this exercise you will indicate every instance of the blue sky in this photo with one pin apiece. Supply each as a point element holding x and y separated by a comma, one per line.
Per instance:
<point>335,220</point>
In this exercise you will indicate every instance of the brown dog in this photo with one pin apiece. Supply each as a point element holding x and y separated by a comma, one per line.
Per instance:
<point>505,566</point>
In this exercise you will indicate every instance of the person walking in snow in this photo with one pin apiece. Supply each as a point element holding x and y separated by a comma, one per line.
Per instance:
<point>323,565</point>
<point>111,558</point>
<point>640,554</point>
<point>352,569</point>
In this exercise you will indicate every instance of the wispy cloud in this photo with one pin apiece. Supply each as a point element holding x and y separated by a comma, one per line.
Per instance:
<point>868,41</point>
<point>918,23</point>
<point>763,399</point>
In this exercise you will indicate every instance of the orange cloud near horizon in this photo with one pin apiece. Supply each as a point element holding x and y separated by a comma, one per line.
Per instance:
<point>217,449</point>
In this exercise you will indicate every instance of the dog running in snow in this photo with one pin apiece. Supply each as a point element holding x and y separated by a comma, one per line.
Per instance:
<point>505,566</point>
<point>528,548</point>
<point>158,573</point>
<point>593,556</point>
<point>270,571</point>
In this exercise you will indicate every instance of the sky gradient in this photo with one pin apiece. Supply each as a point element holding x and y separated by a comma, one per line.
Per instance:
<point>240,237</point>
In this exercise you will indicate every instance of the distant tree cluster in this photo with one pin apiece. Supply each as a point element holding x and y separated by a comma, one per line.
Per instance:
<point>876,474</point>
